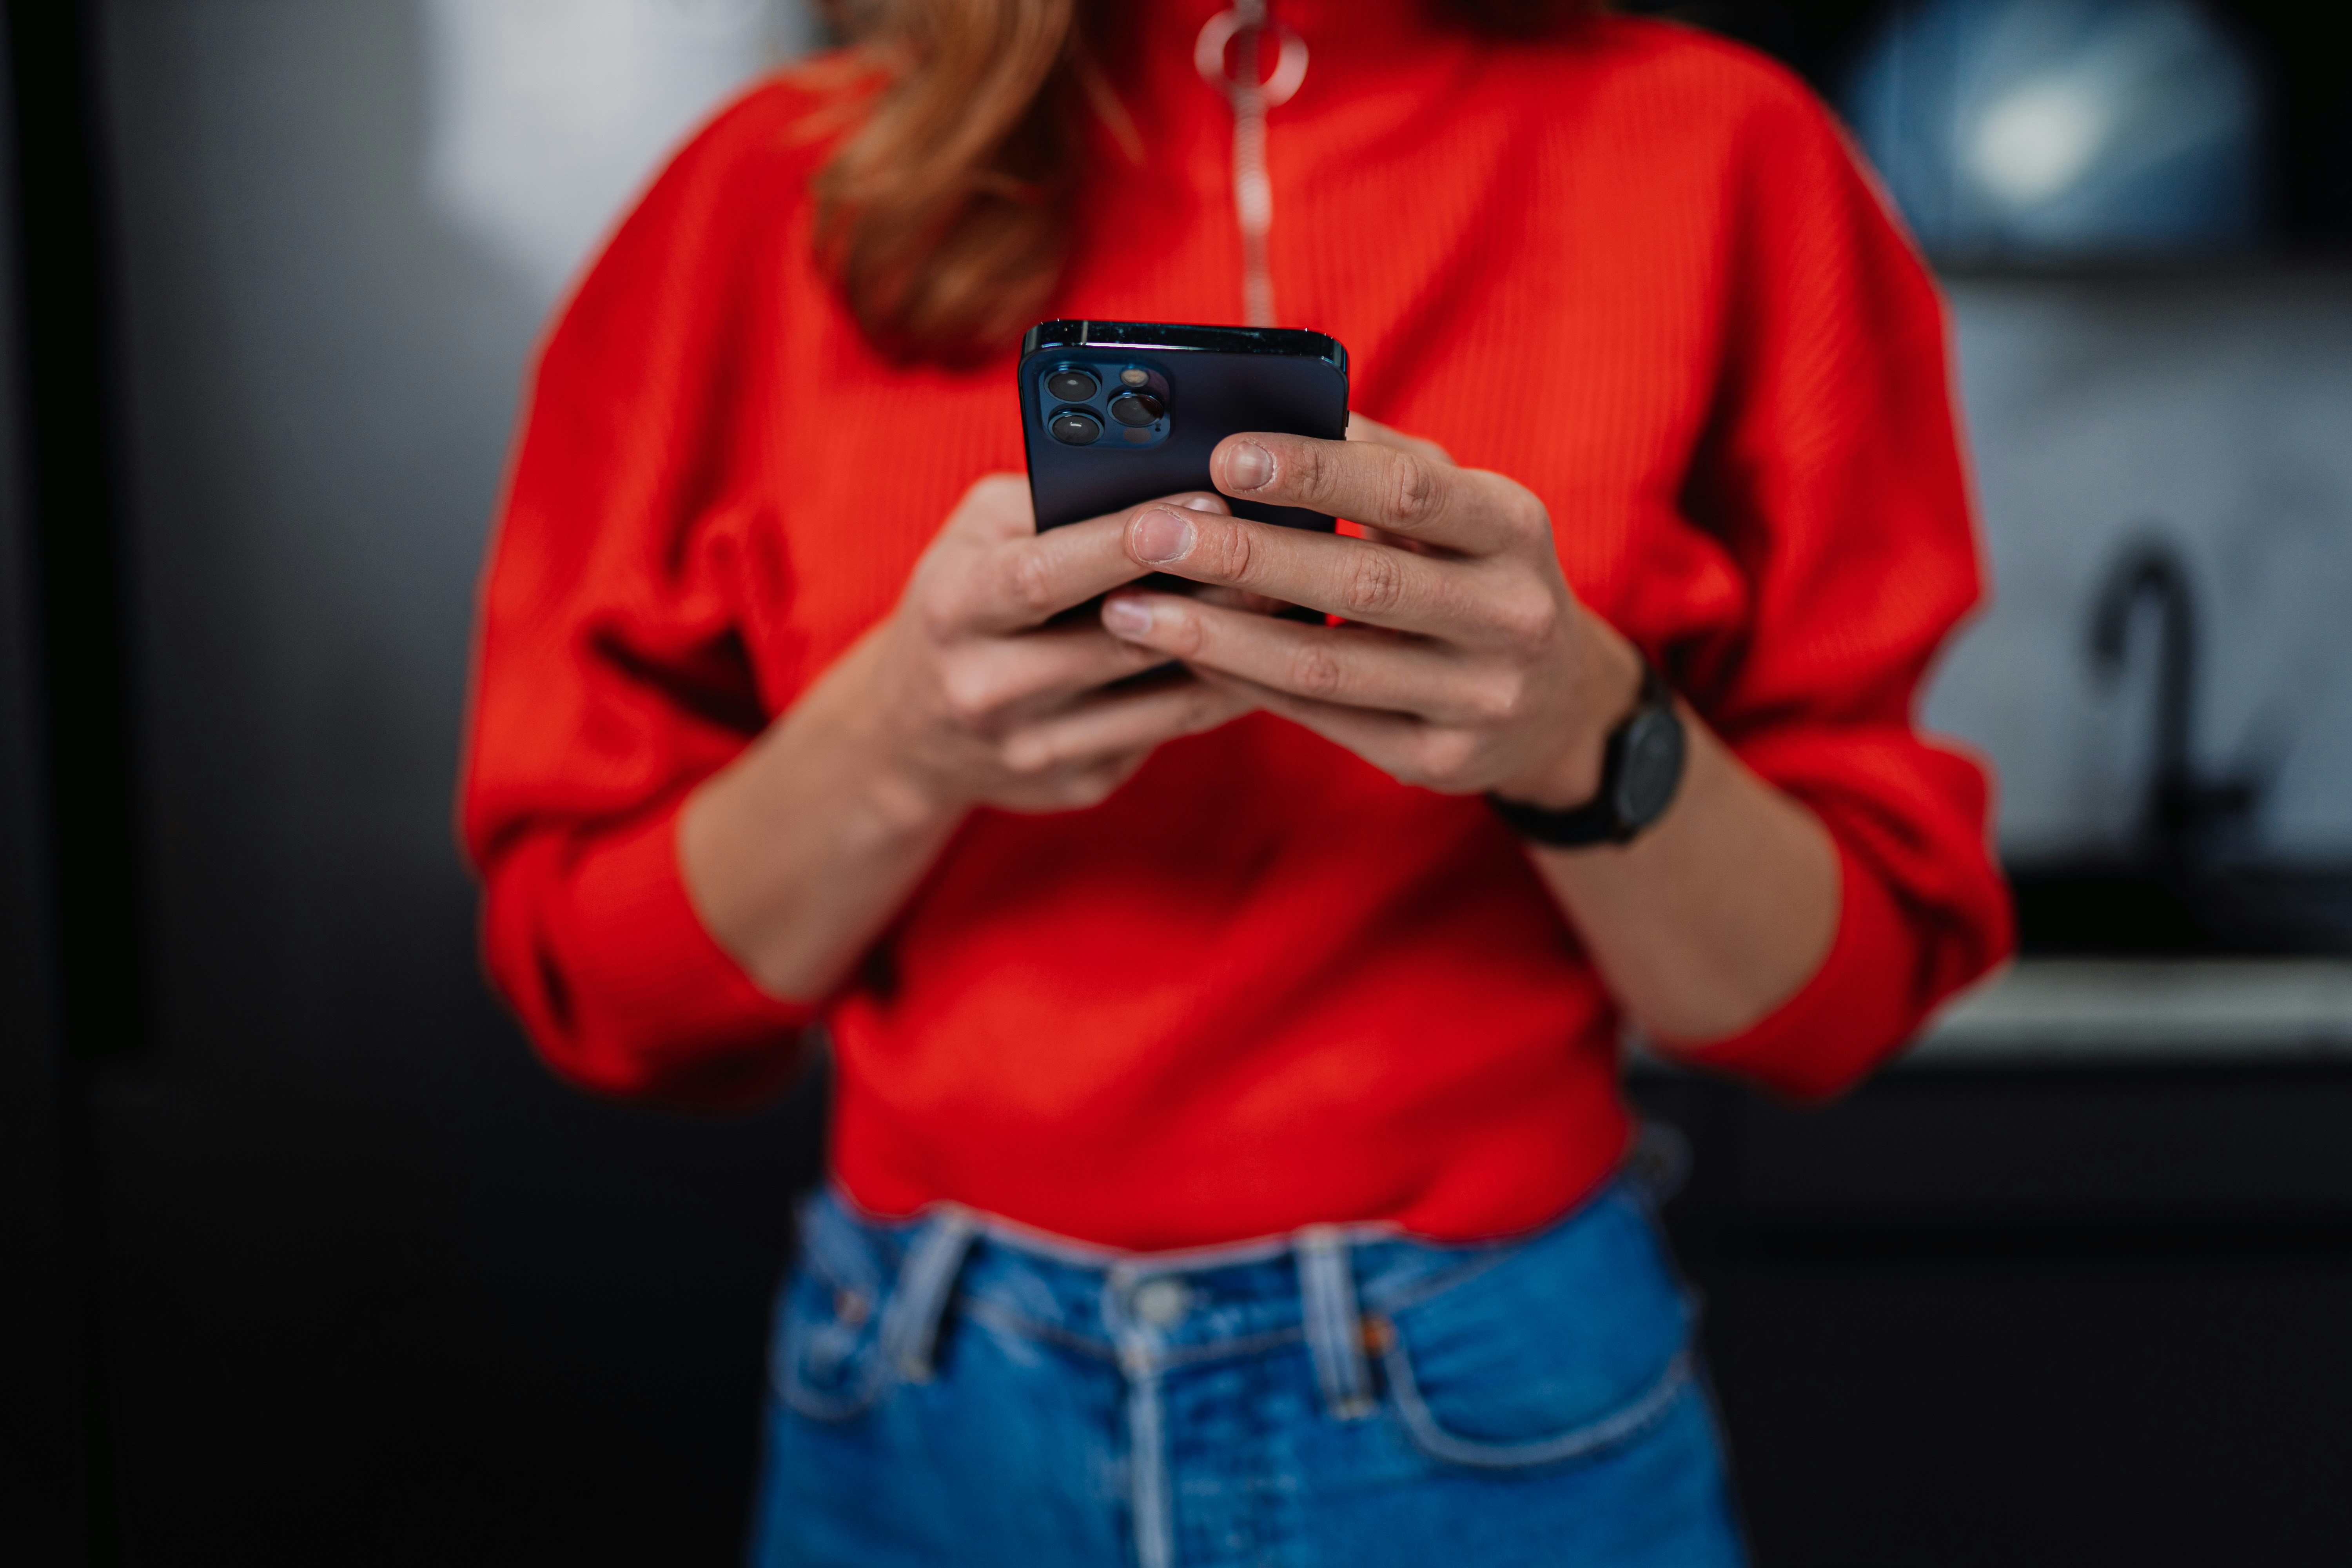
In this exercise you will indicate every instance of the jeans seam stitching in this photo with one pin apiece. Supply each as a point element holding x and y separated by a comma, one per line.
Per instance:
<point>1620,1426</point>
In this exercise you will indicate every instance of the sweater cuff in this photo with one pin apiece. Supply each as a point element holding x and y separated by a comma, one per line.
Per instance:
<point>1857,1010</point>
<point>655,968</point>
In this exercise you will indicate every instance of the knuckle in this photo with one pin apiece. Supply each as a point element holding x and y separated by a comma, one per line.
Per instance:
<point>1028,580</point>
<point>1500,700</point>
<point>982,494</point>
<point>1529,618</point>
<point>1023,756</point>
<point>988,507</point>
<point>1374,583</point>
<point>1230,552</point>
<point>939,612</point>
<point>1525,514</point>
<point>1413,489</point>
<point>1301,470</point>
<point>1176,630</point>
<point>1315,670</point>
<point>1445,757</point>
<point>967,693</point>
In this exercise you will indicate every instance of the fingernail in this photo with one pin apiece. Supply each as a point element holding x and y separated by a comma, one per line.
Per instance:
<point>1127,617</point>
<point>1249,467</point>
<point>1163,533</point>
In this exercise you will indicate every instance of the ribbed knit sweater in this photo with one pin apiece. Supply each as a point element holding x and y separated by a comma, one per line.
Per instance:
<point>1264,984</point>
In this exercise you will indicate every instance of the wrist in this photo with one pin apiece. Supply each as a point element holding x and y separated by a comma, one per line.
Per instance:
<point>858,727</point>
<point>1609,688</point>
<point>903,790</point>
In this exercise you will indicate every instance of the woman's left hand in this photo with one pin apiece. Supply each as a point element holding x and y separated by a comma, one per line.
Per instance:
<point>1467,664</point>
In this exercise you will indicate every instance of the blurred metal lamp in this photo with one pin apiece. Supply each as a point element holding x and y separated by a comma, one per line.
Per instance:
<point>2041,131</point>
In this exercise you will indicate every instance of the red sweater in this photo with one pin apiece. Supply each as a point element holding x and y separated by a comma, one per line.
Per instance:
<point>1264,984</point>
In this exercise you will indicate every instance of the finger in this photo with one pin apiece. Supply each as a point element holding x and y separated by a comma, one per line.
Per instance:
<point>993,676</point>
<point>1362,429</point>
<point>1344,665</point>
<point>1387,741</point>
<point>1125,721</point>
<point>996,507</point>
<point>1382,487</point>
<point>1017,583</point>
<point>1098,781</point>
<point>1358,579</point>
<point>1072,789</point>
<point>1066,789</point>
<point>1242,599</point>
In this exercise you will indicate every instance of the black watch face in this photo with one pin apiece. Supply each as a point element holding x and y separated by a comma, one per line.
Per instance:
<point>1652,766</point>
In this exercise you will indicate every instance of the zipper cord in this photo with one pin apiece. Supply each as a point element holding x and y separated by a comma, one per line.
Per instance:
<point>1251,96</point>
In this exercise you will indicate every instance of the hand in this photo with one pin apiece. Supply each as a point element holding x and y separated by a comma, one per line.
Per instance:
<point>979,701</point>
<point>1466,665</point>
<point>799,852</point>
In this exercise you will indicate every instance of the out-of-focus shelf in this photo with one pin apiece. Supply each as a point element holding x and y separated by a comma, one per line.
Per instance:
<point>2128,1012</point>
<point>2157,1012</point>
<point>2328,272</point>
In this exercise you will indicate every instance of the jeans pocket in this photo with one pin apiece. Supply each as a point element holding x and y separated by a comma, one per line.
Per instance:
<point>1573,1346</point>
<point>826,1361</point>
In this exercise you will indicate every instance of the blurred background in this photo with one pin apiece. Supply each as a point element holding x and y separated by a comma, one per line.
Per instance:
<point>305,1258</point>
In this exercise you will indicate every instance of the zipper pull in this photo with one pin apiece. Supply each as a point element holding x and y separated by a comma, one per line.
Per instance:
<point>1246,23</point>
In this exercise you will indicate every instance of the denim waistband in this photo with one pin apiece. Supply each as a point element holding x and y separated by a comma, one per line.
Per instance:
<point>1159,1309</point>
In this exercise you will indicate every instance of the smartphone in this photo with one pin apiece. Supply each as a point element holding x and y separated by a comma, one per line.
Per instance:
<point>1116,412</point>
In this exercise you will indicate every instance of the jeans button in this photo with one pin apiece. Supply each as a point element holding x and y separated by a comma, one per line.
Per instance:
<point>1160,1303</point>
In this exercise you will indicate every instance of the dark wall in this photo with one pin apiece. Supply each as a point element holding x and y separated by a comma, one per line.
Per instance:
<point>375,1286</point>
<point>2031,1316</point>
<point>37,1436</point>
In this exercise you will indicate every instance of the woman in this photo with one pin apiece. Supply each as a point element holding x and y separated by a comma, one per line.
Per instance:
<point>1225,1151</point>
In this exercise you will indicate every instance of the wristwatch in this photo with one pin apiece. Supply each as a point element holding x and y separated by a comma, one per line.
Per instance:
<point>1641,768</point>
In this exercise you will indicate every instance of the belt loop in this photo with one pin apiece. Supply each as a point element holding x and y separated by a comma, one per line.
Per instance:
<point>1335,1338</point>
<point>910,1330</point>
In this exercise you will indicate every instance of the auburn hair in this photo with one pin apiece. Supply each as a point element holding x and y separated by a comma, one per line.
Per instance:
<point>944,213</point>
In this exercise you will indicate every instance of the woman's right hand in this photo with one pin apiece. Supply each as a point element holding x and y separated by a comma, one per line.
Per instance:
<point>800,851</point>
<point>982,703</point>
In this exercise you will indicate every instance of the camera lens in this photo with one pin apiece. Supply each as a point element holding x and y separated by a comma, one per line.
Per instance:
<point>1072,428</point>
<point>1137,408</point>
<point>1071,386</point>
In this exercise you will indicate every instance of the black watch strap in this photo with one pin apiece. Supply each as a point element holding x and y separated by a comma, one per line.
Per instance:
<point>1640,769</point>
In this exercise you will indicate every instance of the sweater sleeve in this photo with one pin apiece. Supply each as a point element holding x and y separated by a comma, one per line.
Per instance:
<point>1832,473</point>
<point>609,673</point>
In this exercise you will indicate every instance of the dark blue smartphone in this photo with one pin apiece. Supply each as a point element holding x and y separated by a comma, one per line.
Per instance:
<point>1115,413</point>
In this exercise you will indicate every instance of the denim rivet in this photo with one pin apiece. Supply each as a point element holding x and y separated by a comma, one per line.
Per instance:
<point>1162,1303</point>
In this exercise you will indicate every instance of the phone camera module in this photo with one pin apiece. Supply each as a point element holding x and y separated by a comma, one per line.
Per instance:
<point>1137,408</point>
<point>1071,386</point>
<point>1072,428</point>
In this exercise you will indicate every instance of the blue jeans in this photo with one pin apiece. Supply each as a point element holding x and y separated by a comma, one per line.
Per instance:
<point>951,1390</point>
